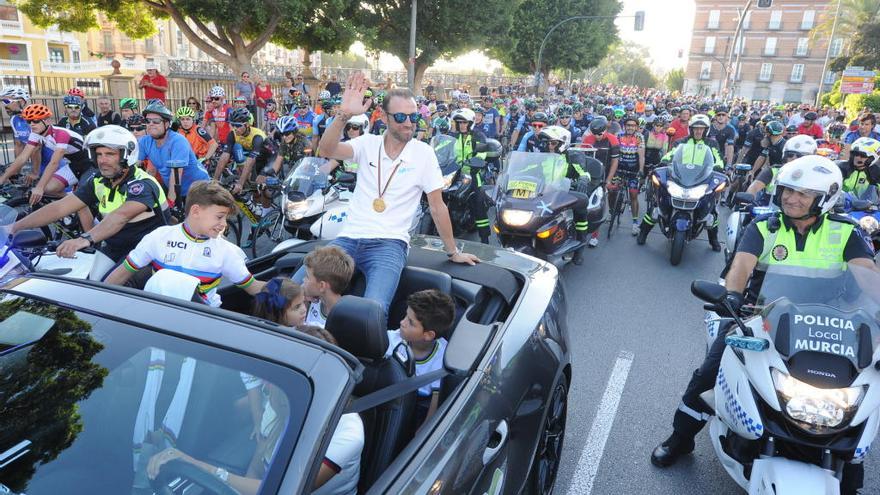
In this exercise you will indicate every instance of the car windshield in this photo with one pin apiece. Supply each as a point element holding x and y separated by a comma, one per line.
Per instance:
<point>89,404</point>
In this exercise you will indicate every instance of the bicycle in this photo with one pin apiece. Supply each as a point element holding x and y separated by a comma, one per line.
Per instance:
<point>267,221</point>
<point>621,184</point>
<point>16,195</point>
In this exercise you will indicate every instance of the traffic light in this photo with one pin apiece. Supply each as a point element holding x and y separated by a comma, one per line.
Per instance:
<point>765,4</point>
<point>640,21</point>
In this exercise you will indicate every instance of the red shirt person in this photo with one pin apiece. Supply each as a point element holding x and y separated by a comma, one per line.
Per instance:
<point>810,127</point>
<point>154,84</point>
<point>681,125</point>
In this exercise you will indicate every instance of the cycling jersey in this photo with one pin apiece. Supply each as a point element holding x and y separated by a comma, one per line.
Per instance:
<point>20,128</point>
<point>220,117</point>
<point>724,136</point>
<point>489,126</point>
<point>773,152</point>
<point>607,147</point>
<point>198,138</point>
<point>109,118</point>
<point>753,143</point>
<point>255,144</point>
<point>629,152</point>
<point>82,126</point>
<point>305,122</point>
<point>58,138</point>
<point>814,130</point>
<point>174,247</point>
<point>174,148</point>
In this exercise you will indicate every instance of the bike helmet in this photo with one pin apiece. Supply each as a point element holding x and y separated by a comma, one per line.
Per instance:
<point>721,109</point>
<point>128,103</point>
<point>514,108</point>
<point>555,133</point>
<point>36,111</point>
<point>286,124</point>
<point>324,95</point>
<point>116,137</point>
<point>443,126</point>
<point>364,123</point>
<point>552,119</point>
<point>618,113</point>
<point>160,110</point>
<point>327,103</point>
<point>380,98</point>
<point>836,130</point>
<point>185,112</point>
<point>775,128</point>
<point>577,107</point>
<point>649,108</point>
<point>539,117</point>
<point>76,92</point>
<point>599,125</point>
<point>811,116</point>
<point>135,120</point>
<point>531,105</point>
<point>627,120</point>
<point>271,101</point>
<point>791,129</point>
<point>240,116</point>
<point>464,97</point>
<point>811,174</point>
<point>217,92</point>
<point>15,93</point>
<point>239,99</point>
<point>766,118</point>
<point>870,147</point>
<point>799,146</point>
<point>629,107</point>
<point>72,100</point>
<point>479,109</point>
<point>442,107</point>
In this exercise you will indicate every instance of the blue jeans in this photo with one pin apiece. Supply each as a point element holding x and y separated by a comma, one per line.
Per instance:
<point>380,260</point>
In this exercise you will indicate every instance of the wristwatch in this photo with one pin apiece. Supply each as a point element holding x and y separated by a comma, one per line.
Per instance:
<point>222,474</point>
<point>457,251</point>
<point>88,237</point>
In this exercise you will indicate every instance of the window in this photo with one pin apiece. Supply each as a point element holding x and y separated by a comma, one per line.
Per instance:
<point>149,45</point>
<point>706,70</point>
<point>710,45</point>
<point>56,55</point>
<point>836,47</point>
<point>807,21</point>
<point>8,13</point>
<point>74,56</point>
<point>747,21</point>
<point>802,45</point>
<point>775,19</point>
<point>108,41</point>
<point>770,46</point>
<point>766,72</point>
<point>830,77</point>
<point>714,17</point>
<point>797,73</point>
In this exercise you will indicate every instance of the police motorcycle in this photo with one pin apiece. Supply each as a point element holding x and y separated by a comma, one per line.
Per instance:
<point>684,201</point>
<point>312,206</point>
<point>797,394</point>
<point>738,182</point>
<point>535,208</point>
<point>865,211</point>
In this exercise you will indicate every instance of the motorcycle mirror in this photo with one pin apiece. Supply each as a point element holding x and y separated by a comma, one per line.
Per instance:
<point>710,292</point>
<point>481,147</point>
<point>346,178</point>
<point>477,162</point>
<point>29,239</point>
<point>860,205</point>
<point>743,198</point>
<point>489,191</point>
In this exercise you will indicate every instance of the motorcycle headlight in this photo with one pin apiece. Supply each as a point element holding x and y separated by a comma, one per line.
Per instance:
<point>869,224</point>
<point>296,210</point>
<point>686,193</point>
<point>816,409</point>
<point>516,218</point>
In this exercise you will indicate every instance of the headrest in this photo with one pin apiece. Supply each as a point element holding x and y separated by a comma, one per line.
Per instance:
<point>359,327</point>
<point>414,279</point>
<point>172,283</point>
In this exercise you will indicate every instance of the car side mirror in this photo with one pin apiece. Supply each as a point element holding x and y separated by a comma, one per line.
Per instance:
<point>710,292</point>
<point>743,198</point>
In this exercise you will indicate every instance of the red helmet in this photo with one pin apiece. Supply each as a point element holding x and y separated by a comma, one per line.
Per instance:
<point>36,111</point>
<point>76,92</point>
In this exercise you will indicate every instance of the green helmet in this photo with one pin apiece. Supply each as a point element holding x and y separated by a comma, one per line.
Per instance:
<point>129,103</point>
<point>577,107</point>
<point>618,113</point>
<point>185,111</point>
<point>775,127</point>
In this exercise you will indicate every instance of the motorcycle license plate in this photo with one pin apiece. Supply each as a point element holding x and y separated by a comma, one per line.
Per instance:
<point>522,189</point>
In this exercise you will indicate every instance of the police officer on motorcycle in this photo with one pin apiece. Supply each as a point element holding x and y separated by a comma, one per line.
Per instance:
<point>803,234</point>
<point>466,137</point>
<point>862,170</point>
<point>796,147</point>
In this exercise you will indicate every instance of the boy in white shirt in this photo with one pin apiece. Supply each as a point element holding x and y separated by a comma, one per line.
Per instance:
<point>429,317</point>
<point>195,247</point>
<point>328,272</point>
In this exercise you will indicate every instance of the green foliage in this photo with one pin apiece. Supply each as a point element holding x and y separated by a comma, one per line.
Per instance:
<point>625,65</point>
<point>344,59</point>
<point>575,45</point>
<point>674,80</point>
<point>865,49</point>
<point>854,104</point>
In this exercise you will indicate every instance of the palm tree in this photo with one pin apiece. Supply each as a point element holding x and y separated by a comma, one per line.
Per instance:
<point>853,14</point>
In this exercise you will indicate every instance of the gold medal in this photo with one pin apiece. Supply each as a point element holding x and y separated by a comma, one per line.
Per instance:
<point>379,205</point>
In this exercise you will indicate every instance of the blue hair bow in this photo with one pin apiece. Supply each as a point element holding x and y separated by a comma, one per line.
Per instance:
<point>271,296</point>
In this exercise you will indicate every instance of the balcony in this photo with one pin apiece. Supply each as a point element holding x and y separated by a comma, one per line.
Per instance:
<point>765,77</point>
<point>74,68</point>
<point>796,79</point>
<point>13,27</point>
<point>774,26</point>
<point>769,52</point>
<point>15,65</point>
<point>53,35</point>
<point>800,53</point>
<point>705,75</point>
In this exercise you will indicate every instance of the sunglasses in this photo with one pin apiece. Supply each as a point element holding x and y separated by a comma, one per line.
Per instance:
<point>34,122</point>
<point>288,133</point>
<point>6,102</point>
<point>237,124</point>
<point>401,117</point>
<point>216,98</point>
<point>154,121</point>
<point>72,107</point>
<point>349,127</point>
<point>137,128</point>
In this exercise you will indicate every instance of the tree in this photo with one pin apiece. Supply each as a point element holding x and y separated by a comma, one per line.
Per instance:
<point>674,80</point>
<point>864,51</point>
<point>625,64</point>
<point>229,32</point>
<point>853,14</point>
<point>443,29</point>
<point>575,45</point>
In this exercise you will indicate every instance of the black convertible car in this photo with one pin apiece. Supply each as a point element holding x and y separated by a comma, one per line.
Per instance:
<point>96,382</point>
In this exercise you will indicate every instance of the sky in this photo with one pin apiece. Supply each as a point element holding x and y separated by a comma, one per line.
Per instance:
<point>668,26</point>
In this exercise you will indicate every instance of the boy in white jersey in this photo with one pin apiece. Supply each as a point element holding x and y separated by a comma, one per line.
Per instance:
<point>429,317</point>
<point>195,247</point>
<point>328,272</point>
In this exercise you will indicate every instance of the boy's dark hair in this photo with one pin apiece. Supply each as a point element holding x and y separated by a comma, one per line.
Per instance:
<point>331,264</point>
<point>434,310</point>
<point>318,333</point>
<point>870,117</point>
<point>205,193</point>
<point>396,93</point>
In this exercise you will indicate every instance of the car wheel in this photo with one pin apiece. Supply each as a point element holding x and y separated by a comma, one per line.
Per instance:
<point>548,455</point>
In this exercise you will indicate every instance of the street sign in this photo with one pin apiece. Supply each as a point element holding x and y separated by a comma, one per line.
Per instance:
<point>855,80</point>
<point>639,21</point>
<point>765,4</point>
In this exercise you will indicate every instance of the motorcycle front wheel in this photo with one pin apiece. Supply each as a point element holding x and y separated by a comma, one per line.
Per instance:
<point>678,241</point>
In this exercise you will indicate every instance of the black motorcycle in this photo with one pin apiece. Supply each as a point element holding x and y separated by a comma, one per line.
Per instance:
<point>534,204</point>
<point>684,200</point>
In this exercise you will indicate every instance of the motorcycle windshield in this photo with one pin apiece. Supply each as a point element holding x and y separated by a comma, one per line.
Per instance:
<point>530,175</point>
<point>306,177</point>
<point>444,148</point>
<point>8,216</point>
<point>690,170</point>
<point>815,314</point>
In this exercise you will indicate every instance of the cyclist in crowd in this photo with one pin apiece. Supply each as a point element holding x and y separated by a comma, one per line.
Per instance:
<point>292,145</point>
<point>202,144</point>
<point>796,147</point>
<point>724,134</point>
<point>14,99</point>
<point>127,108</point>
<point>73,118</point>
<point>630,168</point>
<point>607,151</point>
<point>772,146</point>
<point>217,115</point>
<point>249,148</point>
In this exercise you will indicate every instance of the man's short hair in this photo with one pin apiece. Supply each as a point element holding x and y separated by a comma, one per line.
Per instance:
<point>396,93</point>
<point>870,117</point>
<point>434,310</point>
<point>331,264</point>
<point>205,193</point>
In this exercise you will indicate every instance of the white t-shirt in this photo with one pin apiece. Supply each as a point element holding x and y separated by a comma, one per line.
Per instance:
<point>344,456</point>
<point>418,172</point>
<point>207,259</point>
<point>315,315</point>
<point>433,361</point>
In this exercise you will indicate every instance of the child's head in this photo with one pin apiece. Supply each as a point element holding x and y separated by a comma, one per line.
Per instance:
<point>317,332</point>
<point>328,269</point>
<point>429,316</point>
<point>281,301</point>
<point>207,206</point>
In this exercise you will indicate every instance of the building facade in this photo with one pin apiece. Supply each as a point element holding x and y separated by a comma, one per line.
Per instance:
<point>774,59</point>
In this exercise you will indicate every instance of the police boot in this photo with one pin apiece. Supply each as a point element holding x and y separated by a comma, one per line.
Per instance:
<point>484,234</point>
<point>712,232</point>
<point>668,452</point>
<point>644,229</point>
<point>578,258</point>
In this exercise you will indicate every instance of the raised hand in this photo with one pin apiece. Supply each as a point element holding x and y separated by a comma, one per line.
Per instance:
<point>353,96</point>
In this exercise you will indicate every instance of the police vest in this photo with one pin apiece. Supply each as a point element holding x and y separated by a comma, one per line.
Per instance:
<point>109,198</point>
<point>823,249</point>
<point>771,187</point>
<point>857,182</point>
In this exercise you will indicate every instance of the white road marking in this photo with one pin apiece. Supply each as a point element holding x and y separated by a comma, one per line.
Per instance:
<point>588,464</point>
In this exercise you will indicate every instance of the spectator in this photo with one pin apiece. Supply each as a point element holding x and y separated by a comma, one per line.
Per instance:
<point>287,95</point>
<point>389,84</point>
<point>429,89</point>
<point>865,129</point>
<point>106,115</point>
<point>333,86</point>
<point>263,93</point>
<point>197,108</point>
<point>300,84</point>
<point>245,88</point>
<point>484,89</point>
<point>154,84</point>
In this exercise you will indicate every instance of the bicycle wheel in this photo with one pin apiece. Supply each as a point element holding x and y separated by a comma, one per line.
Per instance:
<point>233,232</point>
<point>271,227</point>
<point>23,208</point>
<point>616,212</point>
